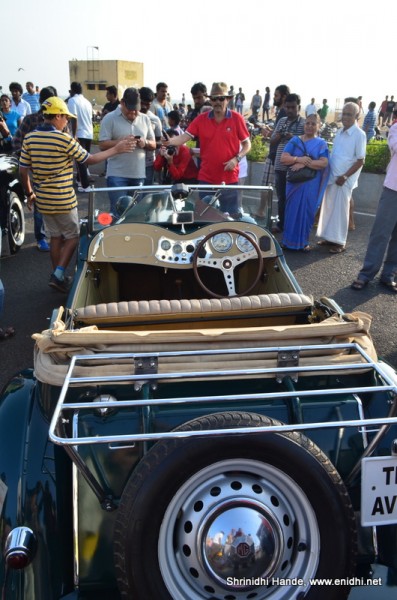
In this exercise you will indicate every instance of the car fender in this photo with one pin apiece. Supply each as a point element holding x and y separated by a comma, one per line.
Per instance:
<point>28,470</point>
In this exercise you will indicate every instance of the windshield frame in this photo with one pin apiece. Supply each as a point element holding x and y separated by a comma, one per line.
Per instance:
<point>252,192</point>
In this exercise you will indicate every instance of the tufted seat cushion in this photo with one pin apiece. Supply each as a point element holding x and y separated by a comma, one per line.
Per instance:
<point>168,310</point>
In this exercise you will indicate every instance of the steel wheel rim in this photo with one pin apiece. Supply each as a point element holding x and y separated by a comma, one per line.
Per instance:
<point>259,488</point>
<point>16,222</point>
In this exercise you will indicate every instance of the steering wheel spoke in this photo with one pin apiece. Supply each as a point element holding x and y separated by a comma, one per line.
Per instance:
<point>227,263</point>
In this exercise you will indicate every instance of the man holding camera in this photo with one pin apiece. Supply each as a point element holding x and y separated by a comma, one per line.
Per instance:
<point>126,122</point>
<point>176,163</point>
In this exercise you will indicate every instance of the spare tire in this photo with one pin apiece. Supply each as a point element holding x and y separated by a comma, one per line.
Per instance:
<point>232,517</point>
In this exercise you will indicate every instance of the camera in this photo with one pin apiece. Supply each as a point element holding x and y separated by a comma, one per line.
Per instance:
<point>171,150</point>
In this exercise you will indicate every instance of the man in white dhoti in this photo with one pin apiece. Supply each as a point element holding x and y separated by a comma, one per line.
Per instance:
<point>346,162</point>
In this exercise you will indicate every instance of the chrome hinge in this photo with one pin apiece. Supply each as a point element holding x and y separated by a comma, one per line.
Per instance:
<point>287,358</point>
<point>145,366</point>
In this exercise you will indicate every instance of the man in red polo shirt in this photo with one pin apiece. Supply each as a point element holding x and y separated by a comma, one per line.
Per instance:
<point>224,140</point>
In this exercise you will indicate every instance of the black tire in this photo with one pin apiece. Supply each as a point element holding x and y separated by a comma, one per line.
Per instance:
<point>181,491</point>
<point>15,223</point>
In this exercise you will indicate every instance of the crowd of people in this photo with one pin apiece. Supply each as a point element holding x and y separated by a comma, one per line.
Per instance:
<point>143,139</point>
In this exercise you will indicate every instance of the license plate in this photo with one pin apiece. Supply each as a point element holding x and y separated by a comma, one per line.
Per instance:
<point>379,491</point>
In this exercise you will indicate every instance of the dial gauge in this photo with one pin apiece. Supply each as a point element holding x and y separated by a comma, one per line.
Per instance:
<point>243,244</point>
<point>177,249</point>
<point>165,245</point>
<point>222,242</point>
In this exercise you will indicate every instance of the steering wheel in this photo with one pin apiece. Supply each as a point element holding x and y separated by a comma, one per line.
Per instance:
<point>227,264</point>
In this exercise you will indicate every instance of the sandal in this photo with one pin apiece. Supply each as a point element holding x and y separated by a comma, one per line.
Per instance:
<point>390,285</point>
<point>325,243</point>
<point>359,284</point>
<point>337,249</point>
<point>307,248</point>
<point>6,333</point>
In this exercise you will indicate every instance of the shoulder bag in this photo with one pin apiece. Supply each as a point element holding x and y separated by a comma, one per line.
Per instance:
<point>304,174</point>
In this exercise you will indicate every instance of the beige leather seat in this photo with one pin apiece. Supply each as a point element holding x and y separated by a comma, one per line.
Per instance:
<point>171,311</point>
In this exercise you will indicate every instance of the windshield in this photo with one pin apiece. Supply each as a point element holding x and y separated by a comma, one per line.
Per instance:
<point>179,204</point>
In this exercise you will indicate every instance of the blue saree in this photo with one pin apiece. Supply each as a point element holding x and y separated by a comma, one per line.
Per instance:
<point>303,199</point>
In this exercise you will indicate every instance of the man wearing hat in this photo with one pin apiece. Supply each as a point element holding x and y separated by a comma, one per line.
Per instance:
<point>49,152</point>
<point>224,140</point>
<point>128,169</point>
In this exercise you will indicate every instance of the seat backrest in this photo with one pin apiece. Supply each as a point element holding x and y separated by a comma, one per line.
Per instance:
<point>162,311</point>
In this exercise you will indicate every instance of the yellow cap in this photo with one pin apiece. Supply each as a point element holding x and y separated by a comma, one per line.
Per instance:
<point>55,106</point>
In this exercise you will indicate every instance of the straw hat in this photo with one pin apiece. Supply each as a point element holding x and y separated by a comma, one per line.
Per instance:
<point>219,88</point>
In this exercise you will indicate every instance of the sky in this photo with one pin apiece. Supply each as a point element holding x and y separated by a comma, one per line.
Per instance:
<point>320,49</point>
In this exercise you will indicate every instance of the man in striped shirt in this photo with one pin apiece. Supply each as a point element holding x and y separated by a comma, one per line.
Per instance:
<point>48,152</point>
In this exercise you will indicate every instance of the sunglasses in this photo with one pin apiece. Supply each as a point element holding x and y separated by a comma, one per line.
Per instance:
<point>220,98</point>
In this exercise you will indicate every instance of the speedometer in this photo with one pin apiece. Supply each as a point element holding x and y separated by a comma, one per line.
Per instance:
<point>244,244</point>
<point>222,242</point>
<point>165,245</point>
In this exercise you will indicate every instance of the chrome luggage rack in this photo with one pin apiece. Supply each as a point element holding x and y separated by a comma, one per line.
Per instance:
<point>144,371</point>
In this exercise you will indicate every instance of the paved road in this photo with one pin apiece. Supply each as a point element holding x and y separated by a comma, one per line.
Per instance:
<point>30,302</point>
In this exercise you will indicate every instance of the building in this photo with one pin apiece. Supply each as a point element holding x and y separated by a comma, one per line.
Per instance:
<point>95,75</point>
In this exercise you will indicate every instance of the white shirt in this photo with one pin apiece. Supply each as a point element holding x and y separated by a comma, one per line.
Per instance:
<point>23,108</point>
<point>82,108</point>
<point>350,145</point>
<point>310,109</point>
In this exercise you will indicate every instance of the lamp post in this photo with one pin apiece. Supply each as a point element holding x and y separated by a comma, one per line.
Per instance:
<point>92,48</point>
<point>91,67</point>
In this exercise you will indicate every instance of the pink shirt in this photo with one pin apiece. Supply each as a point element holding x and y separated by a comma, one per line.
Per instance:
<point>391,173</point>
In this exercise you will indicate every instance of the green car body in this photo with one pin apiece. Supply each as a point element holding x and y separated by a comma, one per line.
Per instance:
<point>187,434</point>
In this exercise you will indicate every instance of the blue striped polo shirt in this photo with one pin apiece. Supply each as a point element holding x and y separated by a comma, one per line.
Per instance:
<point>49,154</point>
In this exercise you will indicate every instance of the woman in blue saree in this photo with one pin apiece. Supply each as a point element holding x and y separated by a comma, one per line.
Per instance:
<point>304,198</point>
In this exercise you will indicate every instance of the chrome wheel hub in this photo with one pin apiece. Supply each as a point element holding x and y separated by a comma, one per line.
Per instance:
<point>240,537</point>
<point>234,530</point>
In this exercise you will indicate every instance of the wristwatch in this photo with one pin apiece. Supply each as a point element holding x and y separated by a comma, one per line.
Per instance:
<point>238,158</point>
<point>345,177</point>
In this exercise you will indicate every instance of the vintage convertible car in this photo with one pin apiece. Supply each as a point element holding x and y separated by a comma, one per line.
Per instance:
<point>196,427</point>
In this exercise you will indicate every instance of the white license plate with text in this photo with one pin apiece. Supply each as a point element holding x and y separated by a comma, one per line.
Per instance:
<point>379,491</point>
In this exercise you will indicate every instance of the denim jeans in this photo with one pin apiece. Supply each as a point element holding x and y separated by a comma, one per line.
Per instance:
<point>39,231</point>
<point>149,175</point>
<point>82,167</point>
<point>115,181</point>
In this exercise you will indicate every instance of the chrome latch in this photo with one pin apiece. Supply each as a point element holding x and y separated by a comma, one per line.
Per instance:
<point>287,358</point>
